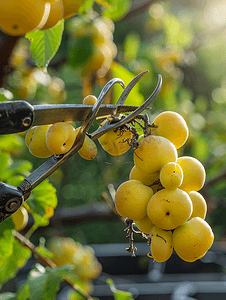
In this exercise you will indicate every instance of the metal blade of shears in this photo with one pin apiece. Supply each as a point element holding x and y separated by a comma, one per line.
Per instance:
<point>50,114</point>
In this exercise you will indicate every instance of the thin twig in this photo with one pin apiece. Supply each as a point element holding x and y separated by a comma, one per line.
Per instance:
<point>112,191</point>
<point>48,263</point>
<point>110,203</point>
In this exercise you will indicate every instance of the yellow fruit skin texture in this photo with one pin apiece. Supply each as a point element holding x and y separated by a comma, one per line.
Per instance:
<point>71,7</point>
<point>161,244</point>
<point>194,173</point>
<point>145,178</point>
<point>199,205</point>
<point>171,176</point>
<point>131,199</point>
<point>88,150</point>
<point>144,225</point>
<point>114,142</point>
<point>20,218</point>
<point>89,100</point>
<point>169,209</point>
<point>36,140</point>
<point>56,14</point>
<point>153,153</point>
<point>193,239</point>
<point>60,137</point>
<point>172,126</point>
<point>20,17</point>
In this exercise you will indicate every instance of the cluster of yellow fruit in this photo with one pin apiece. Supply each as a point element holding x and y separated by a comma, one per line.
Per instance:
<point>85,264</point>
<point>45,140</point>
<point>100,31</point>
<point>17,17</point>
<point>161,195</point>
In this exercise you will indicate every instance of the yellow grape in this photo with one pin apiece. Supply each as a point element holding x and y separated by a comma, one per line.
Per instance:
<point>19,17</point>
<point>64,250</point>
<point>161,244</point>
<point>95,62</point>
<point>153,153</point>
<point>60,137</point>
<point>145,178</point>
<point>71,7</point>
<point>29,136</point>
<point>171,176</point>
<point>144,225</point>
<point>20,218</point>
<point>194,173</point>
<point>172,126</point>
<point>35,139</point>
<point>169,209</point>
<point>131,199</point>
<point>89,100</point>
<point>88,150</point>
<point>56,14</point>
<point>199,205</point>
<point>193,239</point>
<point>86,264</point>
<point>103,34</point>
<point>115,142</point>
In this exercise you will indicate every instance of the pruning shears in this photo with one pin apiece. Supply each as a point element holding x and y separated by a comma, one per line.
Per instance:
<point>19,116</point>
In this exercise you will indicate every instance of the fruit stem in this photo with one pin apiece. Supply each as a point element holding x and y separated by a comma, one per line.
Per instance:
<point>130,234</point>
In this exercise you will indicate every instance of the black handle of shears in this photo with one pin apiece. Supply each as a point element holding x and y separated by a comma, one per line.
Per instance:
<point>15,116</point>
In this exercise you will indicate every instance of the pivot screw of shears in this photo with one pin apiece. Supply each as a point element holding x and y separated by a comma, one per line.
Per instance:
<point>26,121</point>
<point>12,205</point>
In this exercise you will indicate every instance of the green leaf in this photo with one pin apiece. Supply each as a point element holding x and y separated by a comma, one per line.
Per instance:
<point>86,6</point>
<point>44,44</point>
<point>4,164</point>
<point>135,97</point>
<point>21,167</point>
<point>15,180</point>
<point>11,142</point>
<point>12,264</point>
<point>117,9</point>
<point>6,239</point>
<point>119,295</point>
<point>44,284</point>
<point>8,296</point>
<point>23,292</point>
<point>44,199</point>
